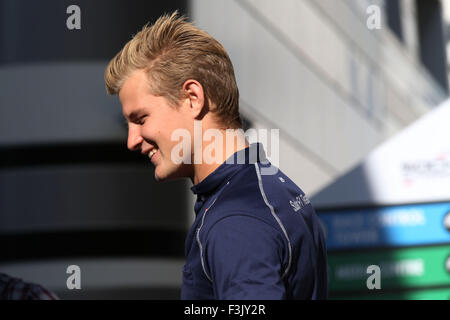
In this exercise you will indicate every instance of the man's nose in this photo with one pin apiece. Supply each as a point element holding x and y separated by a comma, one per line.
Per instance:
<point>134,138</point>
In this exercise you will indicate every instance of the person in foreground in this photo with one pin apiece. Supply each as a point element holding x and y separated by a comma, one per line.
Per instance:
<point>256,234</point>
<point>12,288</point>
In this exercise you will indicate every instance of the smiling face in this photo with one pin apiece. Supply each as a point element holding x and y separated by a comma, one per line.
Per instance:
<point>151,121</point>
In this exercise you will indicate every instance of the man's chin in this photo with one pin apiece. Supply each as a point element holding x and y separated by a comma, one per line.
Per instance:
<point>175,174</point>
<point>164,176</point>
<point>159,178</point>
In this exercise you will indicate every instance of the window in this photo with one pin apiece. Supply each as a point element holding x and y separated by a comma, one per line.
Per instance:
<point>394,20</point>
<point>431,40</point>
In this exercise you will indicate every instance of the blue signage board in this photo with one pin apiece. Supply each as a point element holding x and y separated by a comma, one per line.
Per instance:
<point>407,225</point>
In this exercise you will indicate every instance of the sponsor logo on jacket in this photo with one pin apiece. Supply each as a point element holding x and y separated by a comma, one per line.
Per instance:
<point>299,202</point>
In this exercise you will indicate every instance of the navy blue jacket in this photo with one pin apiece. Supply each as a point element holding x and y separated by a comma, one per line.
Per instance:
<point>255,235</point>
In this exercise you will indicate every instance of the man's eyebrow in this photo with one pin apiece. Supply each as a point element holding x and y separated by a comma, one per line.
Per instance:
<point>134,115</point>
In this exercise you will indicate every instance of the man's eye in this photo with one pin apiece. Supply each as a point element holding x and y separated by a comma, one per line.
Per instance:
<point>141,120</point>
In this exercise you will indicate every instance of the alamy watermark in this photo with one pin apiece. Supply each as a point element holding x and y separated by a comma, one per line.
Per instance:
<point>74,280</point>
<point>74,20</point>
<point>213,152</point>
<point>374,280</point>
<point>374,19</point>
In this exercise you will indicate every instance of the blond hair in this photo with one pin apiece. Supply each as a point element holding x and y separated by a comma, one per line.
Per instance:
<point>172,51</point>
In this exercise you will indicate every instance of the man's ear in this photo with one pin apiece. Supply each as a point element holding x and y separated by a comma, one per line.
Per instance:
<point>195,98</point>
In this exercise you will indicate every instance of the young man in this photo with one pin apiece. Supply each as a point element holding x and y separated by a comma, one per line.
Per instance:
<point>255,235</point>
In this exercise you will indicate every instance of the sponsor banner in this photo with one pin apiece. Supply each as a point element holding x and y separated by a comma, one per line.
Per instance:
<point>408,225</point>
<point>411,167</point>
<point>399,268</point>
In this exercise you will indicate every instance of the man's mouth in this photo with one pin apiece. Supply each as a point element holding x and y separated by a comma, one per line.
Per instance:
<point>151,153</point>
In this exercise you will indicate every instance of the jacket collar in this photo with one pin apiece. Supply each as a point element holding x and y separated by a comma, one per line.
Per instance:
<point>222,174</point>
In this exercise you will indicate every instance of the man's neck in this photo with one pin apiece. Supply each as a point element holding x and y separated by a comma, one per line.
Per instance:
<point>230,147</point>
